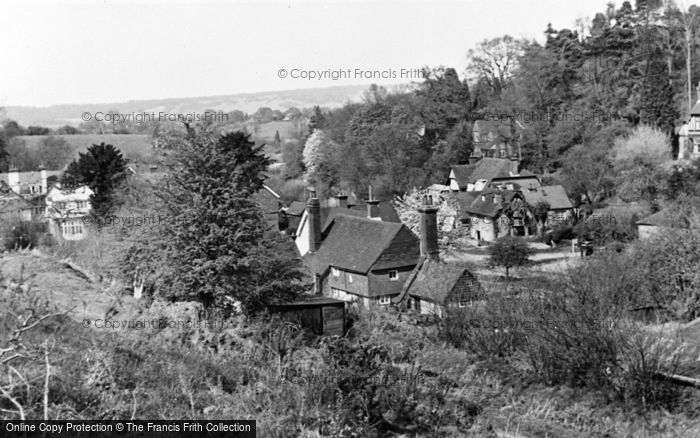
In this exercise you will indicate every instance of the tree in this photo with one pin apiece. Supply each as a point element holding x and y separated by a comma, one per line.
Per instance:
<point>588,172</point>
<point>509,252</point>
<point>54,152</point>
<point>67,130</point>
<point>215,235</point>
<point>102,168</point>
<point>495,61</point>
<point>639,160</point>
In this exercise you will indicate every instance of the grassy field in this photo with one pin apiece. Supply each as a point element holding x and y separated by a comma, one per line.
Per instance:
<point>137,148</point>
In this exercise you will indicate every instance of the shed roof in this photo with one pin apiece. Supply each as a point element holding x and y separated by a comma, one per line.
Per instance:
<point>662,218</point>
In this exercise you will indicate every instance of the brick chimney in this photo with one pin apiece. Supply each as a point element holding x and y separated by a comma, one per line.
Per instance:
<point>514,165</point>
<point>428,229</point>
<point>313,211</point>
<point>342,200</point>
<point>372,207</point>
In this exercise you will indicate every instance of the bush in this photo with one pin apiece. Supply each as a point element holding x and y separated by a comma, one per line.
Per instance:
<point>18,234</point>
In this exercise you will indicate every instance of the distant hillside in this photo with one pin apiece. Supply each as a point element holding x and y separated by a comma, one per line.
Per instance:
<point>70,114</point>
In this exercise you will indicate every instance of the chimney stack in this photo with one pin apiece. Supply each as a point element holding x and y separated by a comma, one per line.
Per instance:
<point>428,229</point>
<point>514,165</point>
<point>313,211</point>
<point>372,207</point>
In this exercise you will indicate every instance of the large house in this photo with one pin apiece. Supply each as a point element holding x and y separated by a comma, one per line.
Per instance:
<point>356,258</point>
<point>689,134</point>
<point>66,211</point>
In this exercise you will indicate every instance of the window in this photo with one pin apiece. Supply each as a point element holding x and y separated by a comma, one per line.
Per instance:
<point>393,275</point>
<point>335,272</point>
<point>462,304</point>
<point>384,300</point>
<point>349,278</point>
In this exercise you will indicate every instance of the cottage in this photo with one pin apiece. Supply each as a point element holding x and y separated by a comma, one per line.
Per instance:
<point>561,209</point>
<point>372,209</point>
<point>29,183</point>
<point>435,285</point>
<point>487,214</point>
<point>14,206</point>
<point>358,258</point>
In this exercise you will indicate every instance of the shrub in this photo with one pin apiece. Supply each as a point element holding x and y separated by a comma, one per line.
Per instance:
<point>18,234</point>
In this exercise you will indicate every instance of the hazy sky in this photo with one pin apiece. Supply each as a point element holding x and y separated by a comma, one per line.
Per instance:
<point>114,51</point>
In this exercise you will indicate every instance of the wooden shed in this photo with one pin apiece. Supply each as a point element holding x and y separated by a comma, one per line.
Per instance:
<point>321,315</point>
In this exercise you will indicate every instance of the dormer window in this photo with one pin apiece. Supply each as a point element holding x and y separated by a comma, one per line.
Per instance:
<point>393,275</point>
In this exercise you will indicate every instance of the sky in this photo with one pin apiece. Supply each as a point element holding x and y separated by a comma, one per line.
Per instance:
<point>109,51</point>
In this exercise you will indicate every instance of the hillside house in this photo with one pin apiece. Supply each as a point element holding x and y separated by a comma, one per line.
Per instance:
<point>14,206</point>
<point>435,285</point>
<point>29,183</point>
<point>271,204</point>
<point>561,209</point>
<point>489,172</point>
<point>689,134</point>
<point>487,215</point>
<point>373,209</point>
<point>357,258</point>
<point>494,139</point>
<point>66,210</point>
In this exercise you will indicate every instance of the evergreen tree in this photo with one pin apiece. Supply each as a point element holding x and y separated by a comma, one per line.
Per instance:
<point>215,232</point>
<point>102,169</point>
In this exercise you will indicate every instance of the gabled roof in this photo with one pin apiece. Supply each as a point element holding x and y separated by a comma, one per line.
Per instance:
<point>11,202</point>
<point>486,168</point>
<point>465,199</point>
<point>386,211</point>
<point>485,206</point>
<point>662,218</point>
<point>437,279</point>
<point>555,196</point>
<point>353,244</point>
<point>268,200</point>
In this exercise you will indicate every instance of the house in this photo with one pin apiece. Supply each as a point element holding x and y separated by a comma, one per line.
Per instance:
<point>689,134</point>
<point>561,209</point>
<point>29,183</point>
<point>435,285</point>
<point>372,209</point>
<point>655,224</point>
<point>67,210</point>
<point>270,204</point>
<point>494,138</point>
<point>14,206</point>
<point>487,214</point>
<point>353,258</point>
<point>487,172</point>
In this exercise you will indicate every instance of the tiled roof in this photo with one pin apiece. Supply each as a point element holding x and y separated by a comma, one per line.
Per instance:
<point>465,199</point>
<point>555,196</point>
<point>436,280</point>
<point>386,210</point>
<point>353,244</point>
<point>484,205</point>
<point>486,168</point>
